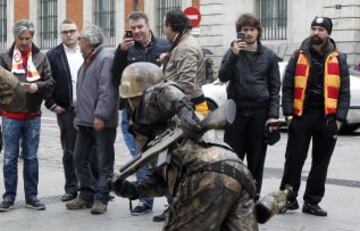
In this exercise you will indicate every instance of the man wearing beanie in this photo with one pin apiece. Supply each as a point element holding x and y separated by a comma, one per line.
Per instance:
<point>315,101</point>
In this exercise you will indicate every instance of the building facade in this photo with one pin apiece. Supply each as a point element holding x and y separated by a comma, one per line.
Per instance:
<point>285,22</point>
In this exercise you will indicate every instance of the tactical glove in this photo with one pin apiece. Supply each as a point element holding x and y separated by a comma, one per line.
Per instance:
<point>123,188</point>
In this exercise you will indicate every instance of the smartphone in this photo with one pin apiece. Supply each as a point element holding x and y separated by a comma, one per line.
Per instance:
<point>241,36</point>
<point>128,34</point>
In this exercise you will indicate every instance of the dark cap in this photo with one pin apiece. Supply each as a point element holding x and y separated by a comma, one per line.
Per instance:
<point>323,22</point>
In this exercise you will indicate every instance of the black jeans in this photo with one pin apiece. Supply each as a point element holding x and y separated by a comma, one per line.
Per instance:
<point>90,187</point>
<point>67,138</point>
<point>312,125</point>
<point>246,137</point>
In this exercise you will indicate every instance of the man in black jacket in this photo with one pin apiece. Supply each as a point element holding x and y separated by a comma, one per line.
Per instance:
<point>65,61</point>
<point>315,102</point>
<point>142,46</point>
<point>254,84</point>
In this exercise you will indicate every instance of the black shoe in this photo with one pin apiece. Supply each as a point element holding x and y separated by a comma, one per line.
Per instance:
<point>6,206</point>
<point>35,203</point>
<point>289,205</point>
<point>161,217</point>
<point>68,196</point>
<point>141,209</point>
<point>313,209</point>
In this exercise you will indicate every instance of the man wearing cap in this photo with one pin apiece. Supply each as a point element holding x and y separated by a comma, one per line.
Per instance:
<point>315,101</point>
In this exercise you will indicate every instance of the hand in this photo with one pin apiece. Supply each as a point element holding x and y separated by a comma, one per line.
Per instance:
<point>127,43</point>
<point>98,124</point>
<point>238,45</point>
<point>288,120</point>
<point>75,124</point>
<point>58,110</point>
<point>29,87</point>
<point>272,121</point>
<point>122,188</point>
<point>163,57</point>
<point>338,124</point>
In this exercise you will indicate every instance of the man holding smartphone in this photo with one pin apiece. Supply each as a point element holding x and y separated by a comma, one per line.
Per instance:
<point>139,44</point>
<point>254,84</point>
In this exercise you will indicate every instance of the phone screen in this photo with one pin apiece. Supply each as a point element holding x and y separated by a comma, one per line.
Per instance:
<point>241,36</point>
<point>128,34</point>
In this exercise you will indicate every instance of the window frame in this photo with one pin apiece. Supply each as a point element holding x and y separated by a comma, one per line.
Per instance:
<point>273,19</point>
<point>104,16</point>
<point>47,23</point>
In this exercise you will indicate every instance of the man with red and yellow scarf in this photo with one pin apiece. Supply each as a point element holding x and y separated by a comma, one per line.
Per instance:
<point>316,98</point>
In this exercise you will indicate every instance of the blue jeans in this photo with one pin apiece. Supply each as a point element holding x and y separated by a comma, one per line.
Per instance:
<point>28,131</point>
<point>134,150</point>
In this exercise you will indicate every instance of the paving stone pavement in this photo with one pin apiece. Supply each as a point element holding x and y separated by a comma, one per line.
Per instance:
<point>341,199</point>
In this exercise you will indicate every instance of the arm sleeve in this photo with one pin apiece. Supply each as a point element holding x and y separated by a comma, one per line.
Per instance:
<point>107,92</point>
<point>288,87</point>
<point>227,68</point>
<point>47,83</point>
<point>186,66</point>
<point>274,88</point>
<point>49,96</point>
<point>119,64</point>
<point>344,94</point>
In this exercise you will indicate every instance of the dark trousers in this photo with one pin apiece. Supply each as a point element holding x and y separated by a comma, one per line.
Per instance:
<point>312,125</point>
<point>67,138</point>
<point>246,137</point>
<point>90,187</point>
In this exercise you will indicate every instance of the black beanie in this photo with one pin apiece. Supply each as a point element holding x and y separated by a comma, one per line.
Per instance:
<point>323,22</point>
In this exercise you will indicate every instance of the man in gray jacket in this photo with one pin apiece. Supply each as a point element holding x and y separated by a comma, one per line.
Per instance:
<point>96,121</point>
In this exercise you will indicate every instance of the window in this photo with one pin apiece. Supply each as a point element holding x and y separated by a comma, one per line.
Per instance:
<point>273,18</point>
<point>163,7</point>
<point>3,25</point>
<point>104,14</point>
<point>48,24</point>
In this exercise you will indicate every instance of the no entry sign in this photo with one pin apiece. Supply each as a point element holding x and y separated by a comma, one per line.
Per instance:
<point>194,15</point>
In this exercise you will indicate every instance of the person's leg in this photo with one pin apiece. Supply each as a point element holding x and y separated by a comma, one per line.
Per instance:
<point>68,139</point>
<point>296,152</point>
<point>208,201</point>
<point>83,146</point>
<point>30,144</point>
<point>324,140</point>
<point>105,155</point>
<point>146,203</point>
<point>255,147</point>
<point>235,135</point>
<point>11,137</point>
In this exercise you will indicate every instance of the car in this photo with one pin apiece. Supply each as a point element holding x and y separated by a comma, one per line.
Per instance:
<point>215,94</point>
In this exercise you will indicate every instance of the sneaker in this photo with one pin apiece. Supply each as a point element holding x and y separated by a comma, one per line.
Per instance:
<point>35,203</point>
<point>141,209</point>
<point>313,209</point>
<point>68,196</point>
<point>289,205</point>
<point>98,208</point>
<point>78,203</point>
<point>6,206</point>
<point>161,217</point>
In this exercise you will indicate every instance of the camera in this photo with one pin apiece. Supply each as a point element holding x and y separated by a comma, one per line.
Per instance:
<point>240,36</point>
<point>272,137</point>
<point>128,34</point>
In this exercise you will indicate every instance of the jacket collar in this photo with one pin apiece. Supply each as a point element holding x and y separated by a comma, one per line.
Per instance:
<point>34,49</point>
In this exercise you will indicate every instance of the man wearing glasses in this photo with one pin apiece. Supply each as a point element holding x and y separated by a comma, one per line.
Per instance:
<point>65,61</point>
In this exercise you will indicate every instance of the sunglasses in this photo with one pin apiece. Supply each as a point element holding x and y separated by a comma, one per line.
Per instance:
<point>67,32</point>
